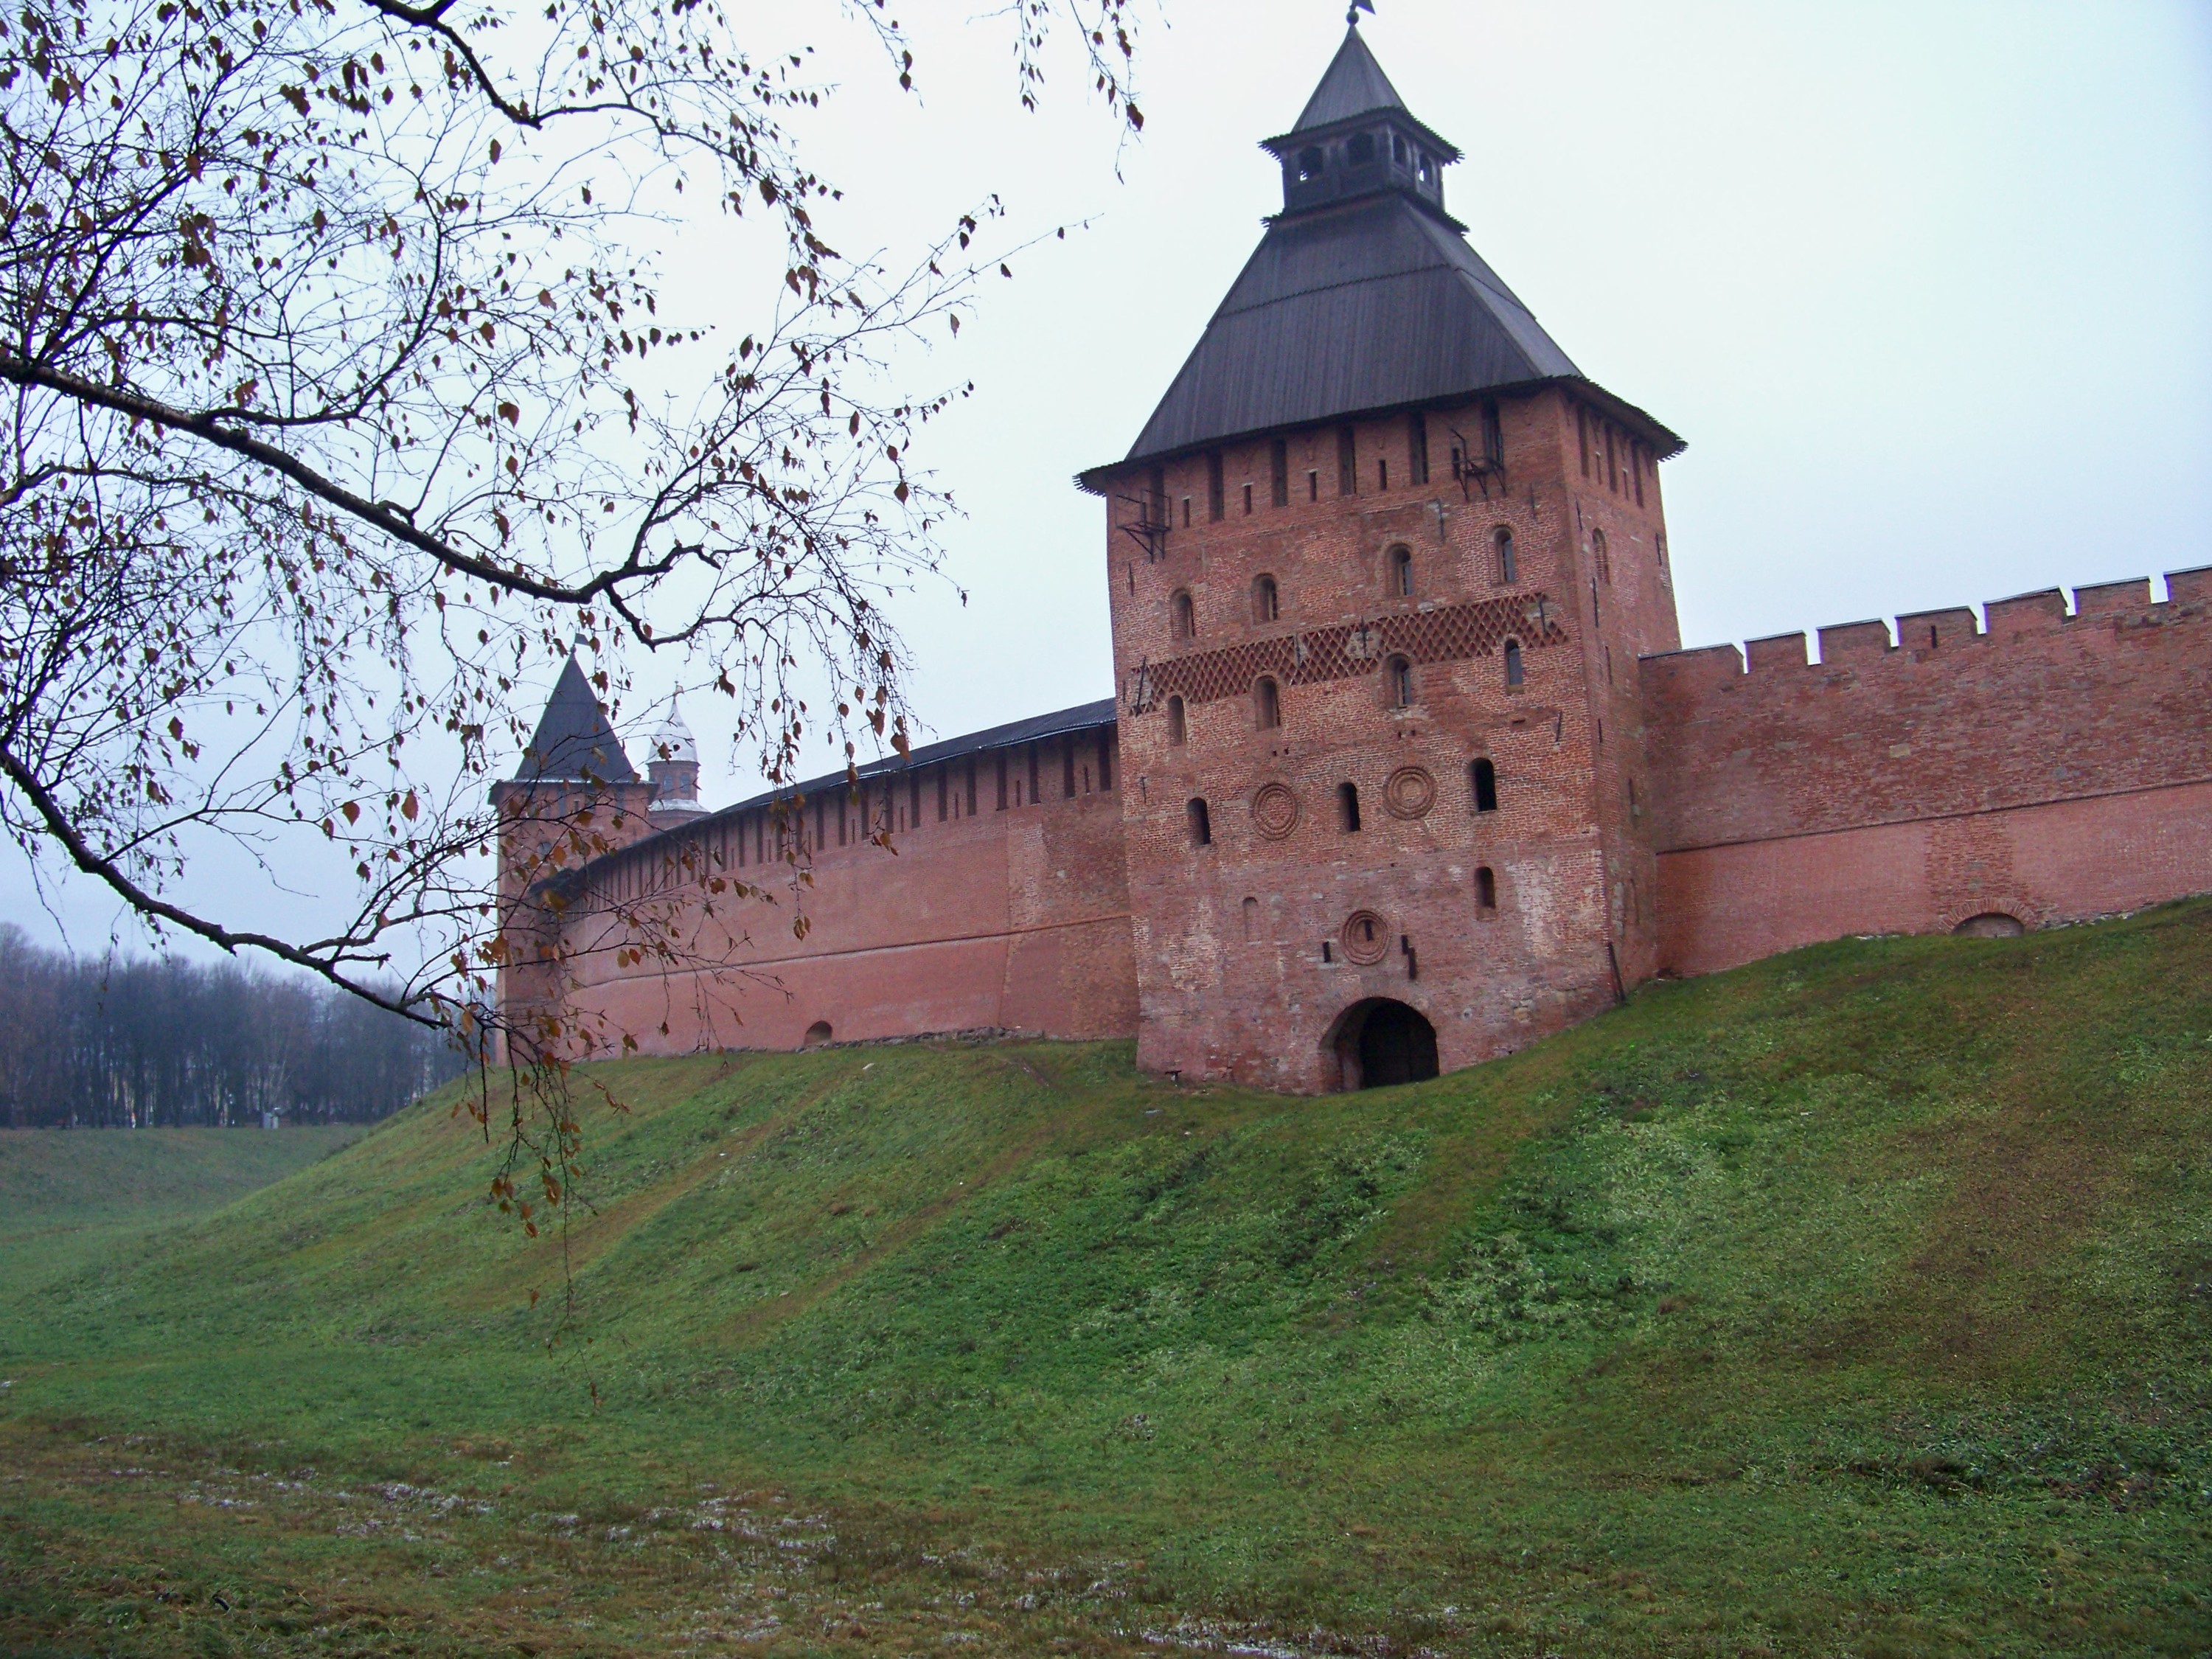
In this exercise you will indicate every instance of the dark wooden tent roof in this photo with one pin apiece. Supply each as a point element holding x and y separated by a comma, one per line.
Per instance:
<point>573,740</point>
<point>1370,302</point>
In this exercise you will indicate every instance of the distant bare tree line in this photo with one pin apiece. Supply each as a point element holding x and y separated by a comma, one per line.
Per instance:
<point>139,1042</point>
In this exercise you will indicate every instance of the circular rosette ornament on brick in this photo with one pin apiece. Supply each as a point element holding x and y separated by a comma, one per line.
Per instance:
<point>1366,938</point>
<point>1409,792</point>
<point>1274,810</point>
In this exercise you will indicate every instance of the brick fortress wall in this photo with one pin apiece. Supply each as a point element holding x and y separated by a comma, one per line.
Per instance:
<point>2051,768</point>
<point>1005,907</point>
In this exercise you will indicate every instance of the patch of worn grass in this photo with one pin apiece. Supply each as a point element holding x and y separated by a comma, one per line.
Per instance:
<point>1856,1301</point>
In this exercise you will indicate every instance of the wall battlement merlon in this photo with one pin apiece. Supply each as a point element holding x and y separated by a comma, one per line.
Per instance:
<point>1924,633</point>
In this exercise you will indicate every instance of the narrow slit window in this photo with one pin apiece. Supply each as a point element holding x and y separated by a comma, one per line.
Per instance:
<point>1185,512</point>
<point>1485,772</point>
<point>1266,600</point>
<point>1493,436</point>
<point>1636,459</point>
<point>1347,808</point>
<point>1486,888</point>
<point>1266,705</point>
<point>1401,573</point>
<point>1068,768</point>
<point>1105,760</point>
<point>1183,616</point>
<point>1201,824</point>
<point>1034,797</point>
<point>1400,673</point>
<point>1516,674</point>
<point>1313,484</point>
<point>1509,564</point>
<point>1251,909</point>
<point>1417,447</point>
<point>1216,506</point>
<point>1601,557</point>
<point>1582,438</point>
<point>1178,733</point>
<point>1383,472</point>
<point>1348,462</point>
<point>1279,472</point>
<point>1248,500</point>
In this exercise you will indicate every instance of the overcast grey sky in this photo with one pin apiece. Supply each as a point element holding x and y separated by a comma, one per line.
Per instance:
<point>1926,285</point>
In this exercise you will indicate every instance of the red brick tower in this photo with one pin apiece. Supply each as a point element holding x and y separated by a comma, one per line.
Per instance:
<point>575,796</point>
<point>1383,560</point>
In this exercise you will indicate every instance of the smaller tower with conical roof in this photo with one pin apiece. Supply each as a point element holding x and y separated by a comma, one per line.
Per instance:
<point>575,796</point>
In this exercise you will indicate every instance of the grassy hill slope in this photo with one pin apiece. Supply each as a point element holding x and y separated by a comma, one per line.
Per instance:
<point>1856,1301</point>
<point>68,1196</point>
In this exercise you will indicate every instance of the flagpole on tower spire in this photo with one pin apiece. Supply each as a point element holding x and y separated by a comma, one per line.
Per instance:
<point>1351,12</point>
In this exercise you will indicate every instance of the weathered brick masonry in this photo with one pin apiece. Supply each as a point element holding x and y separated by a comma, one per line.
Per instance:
<point>2054,768</point>
<point>1404,767</point>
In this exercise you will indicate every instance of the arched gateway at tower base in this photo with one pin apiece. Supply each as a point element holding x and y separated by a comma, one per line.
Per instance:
<point>1379,1042</point>
<point>1405,767</point>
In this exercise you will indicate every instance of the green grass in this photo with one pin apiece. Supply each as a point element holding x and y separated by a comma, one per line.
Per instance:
<point>1859,1302</point>
<point>68,1197</point>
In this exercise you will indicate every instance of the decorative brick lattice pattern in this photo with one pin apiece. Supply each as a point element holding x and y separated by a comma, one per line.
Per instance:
<point>1449,633</point>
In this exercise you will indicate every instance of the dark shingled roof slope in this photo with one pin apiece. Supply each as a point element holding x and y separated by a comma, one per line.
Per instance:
<point>573,740</point>
<point>1083,717</point>
<point>1372,305</point>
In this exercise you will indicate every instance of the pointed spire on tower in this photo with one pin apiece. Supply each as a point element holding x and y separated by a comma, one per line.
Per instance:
<point>574,739</point>
<point>1353,85</point>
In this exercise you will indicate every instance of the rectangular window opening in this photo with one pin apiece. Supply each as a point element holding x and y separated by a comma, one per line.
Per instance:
<point>1068,770</point>
<point>1417,447</point>
<point>1313,485</point>
<point>1216,505</point>
<point>1348,462</point>
<point>1248,500</point>
<point>1279,472</point>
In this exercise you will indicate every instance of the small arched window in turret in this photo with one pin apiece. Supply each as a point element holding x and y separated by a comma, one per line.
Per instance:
<point>1202,823</point>
<point>1266,705</point>
<point>1509,563</point>
<point>1178,731</point>
<point>1515,673</point>
<point>1183,616</point>
<point>1401,573</point>
<point>1266,600</point>
<point>1361,151</point>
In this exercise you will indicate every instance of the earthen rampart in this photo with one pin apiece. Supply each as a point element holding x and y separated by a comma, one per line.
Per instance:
<point>2050,766</point>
